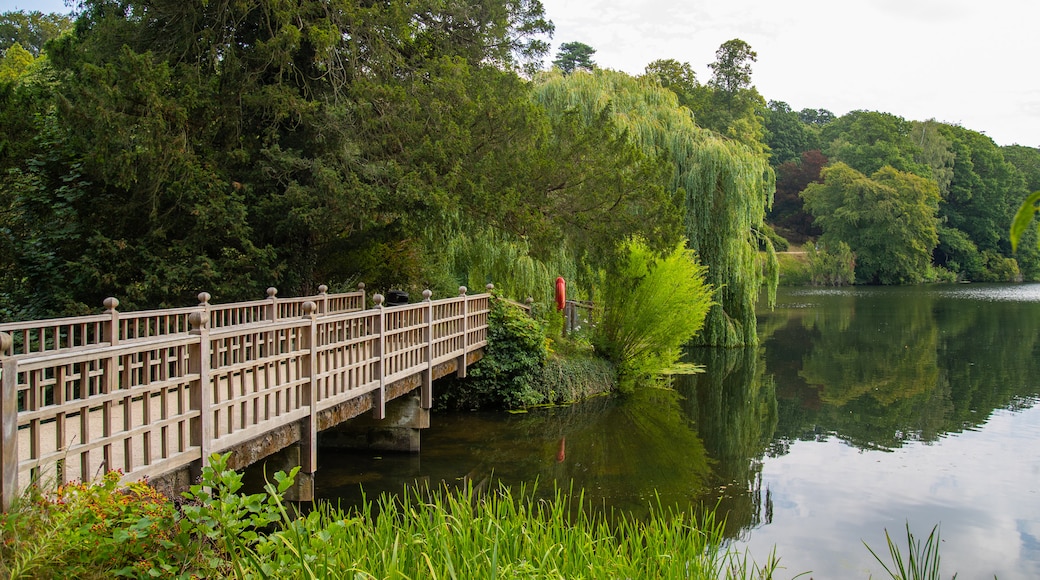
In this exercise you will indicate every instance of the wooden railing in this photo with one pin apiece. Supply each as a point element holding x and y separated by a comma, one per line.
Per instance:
<point>148,393</point>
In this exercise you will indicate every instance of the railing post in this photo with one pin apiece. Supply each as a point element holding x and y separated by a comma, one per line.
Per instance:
<point>201,391</point>
<point>8,424</point>
<point>110,332</point>
<point>309,438</point>
<point>426,393</point>
<point>461,371</point>
<point>204,306</point>
<point>379,406</point>
<point>530,306</point>
<point>323,299</point>
<point>272,308</point>
<point>110,384</point>
<point>361,289</point>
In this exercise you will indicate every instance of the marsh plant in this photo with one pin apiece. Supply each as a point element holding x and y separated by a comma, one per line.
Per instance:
<point>653,305</point>
<point>921,561</point>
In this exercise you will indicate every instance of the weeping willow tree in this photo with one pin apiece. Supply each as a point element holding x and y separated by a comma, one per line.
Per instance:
<point>478,256</point>
<point>722,187</point>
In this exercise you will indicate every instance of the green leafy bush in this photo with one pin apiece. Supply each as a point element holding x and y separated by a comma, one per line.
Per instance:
<point>835,266</point>
<point>507,377</point>
<point>794,270</point>
<point>91,530</point>
<point>652,306</point>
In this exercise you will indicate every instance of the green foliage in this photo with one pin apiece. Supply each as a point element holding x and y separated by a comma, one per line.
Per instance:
<point>15,62</point>
<point>888,220</point>
<point>870,140</point>
<point>794,269</point>
<point>574,56</point>
<point>508,375</point>
<point>652,306</point>
<point>731,70</point>
<point>574,377</point>
<point>921,561</point>
<point>673,75</point>
<point>774,239</point>
<point>983,192</point>
<point>92,530</point>
<point>787,135</point>
<point>447,533</point>
<point>31,30</point>
<point>720,187</point>
<point>1023,217</point>
<point>836,267</point>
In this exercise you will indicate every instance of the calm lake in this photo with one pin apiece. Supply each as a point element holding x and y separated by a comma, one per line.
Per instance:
<point>863,409</point>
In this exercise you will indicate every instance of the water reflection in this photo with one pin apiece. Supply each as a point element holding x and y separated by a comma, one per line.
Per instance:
<point>839,425</point>
<point>734,409</point>
<point>621,453</point>
<point>883,366</point>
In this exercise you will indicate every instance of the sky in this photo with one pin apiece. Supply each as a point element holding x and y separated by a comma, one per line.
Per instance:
<point>966,62</point>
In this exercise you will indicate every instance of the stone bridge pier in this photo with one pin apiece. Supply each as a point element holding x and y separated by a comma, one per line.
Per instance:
<point>398,432</point>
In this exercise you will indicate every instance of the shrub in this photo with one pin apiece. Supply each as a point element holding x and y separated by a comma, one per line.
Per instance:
<point>794,270</point>
<point>566,379</point>
<point>91,530</point>
<point>507,377</point>
<point>832,266</point>
<point>652,305</point>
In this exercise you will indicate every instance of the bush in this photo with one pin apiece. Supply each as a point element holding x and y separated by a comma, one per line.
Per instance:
<point>570,378</point>
<point>507,377</point>
<point>653,305</point>
<point>91,530</point>
<point>832,266</point>
<point>794,270</point>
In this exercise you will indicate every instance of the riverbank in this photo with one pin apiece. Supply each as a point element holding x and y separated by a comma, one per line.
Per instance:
<point>101,530</point>
<point>97,531</point>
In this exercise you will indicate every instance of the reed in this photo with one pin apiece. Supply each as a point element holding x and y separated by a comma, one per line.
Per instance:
<point>921,561</point>
<point>469,533</point>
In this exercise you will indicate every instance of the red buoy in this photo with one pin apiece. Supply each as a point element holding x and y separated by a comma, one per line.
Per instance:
<point>561,293</point>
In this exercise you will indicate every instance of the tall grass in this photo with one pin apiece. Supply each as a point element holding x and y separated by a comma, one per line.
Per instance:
<point>467,534</point>
<point>921,561</point>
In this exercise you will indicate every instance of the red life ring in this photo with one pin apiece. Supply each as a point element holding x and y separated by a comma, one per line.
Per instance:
<point>561,293</point>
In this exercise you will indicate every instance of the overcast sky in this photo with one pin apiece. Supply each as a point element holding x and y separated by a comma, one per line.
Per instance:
<point>959,61</point>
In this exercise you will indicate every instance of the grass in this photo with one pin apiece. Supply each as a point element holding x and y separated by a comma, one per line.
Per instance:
<point>921,561</point>
<point>102,530</point>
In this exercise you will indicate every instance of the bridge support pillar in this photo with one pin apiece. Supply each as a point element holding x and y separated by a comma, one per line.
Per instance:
<point>398,431</point>
<point>285,460</point>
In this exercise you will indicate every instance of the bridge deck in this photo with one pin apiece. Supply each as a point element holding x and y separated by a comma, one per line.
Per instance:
<point>150,393</point>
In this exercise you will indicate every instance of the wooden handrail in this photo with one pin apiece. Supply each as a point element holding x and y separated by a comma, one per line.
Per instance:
<point>163,395</point>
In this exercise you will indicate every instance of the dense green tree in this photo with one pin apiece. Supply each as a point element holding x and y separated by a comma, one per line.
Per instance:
<point>983,192</point>
<point>816,117</point>
<point>888,220</point>
<point>731,71</point>
<point>574,56</point>
<point>786,134</point>
<point>721,187</point>
<point>728,104</point>
<point>31,30</point>
<point>869,140</point>
<point>673,75</point>
<point>1027,161</point>
<point>227,147</point>
<point>15,63</point>
<point>935,151</point>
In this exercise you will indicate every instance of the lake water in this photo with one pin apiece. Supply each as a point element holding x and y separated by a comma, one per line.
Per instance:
<point>862,409</point>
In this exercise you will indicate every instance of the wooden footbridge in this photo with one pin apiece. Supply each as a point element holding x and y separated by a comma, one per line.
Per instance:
<point>155,393</point>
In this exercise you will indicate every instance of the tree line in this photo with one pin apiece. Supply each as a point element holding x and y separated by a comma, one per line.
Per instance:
<point>152,150</point>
